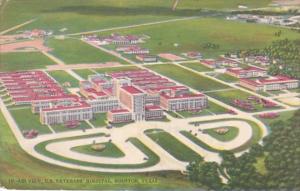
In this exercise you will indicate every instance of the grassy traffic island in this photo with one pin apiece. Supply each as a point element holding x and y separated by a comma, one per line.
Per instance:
<point>223,134</point>
<point>107,149</point>
<point>150,160</point>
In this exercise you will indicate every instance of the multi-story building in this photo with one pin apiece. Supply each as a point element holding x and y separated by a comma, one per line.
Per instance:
<point>59,114</point>
<point>119,116</point>
<point>135,100</point>
<point>269,84</point>
<point>153,112</point>
<point>250,72</point>
<point>146,58</point>
<point>188,102</point>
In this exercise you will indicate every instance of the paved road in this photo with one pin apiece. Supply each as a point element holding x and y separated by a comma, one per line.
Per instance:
<point>17,26</point>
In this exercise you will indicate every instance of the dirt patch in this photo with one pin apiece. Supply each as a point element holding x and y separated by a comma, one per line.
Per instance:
<point>171,57</point>
<point>24,46</point>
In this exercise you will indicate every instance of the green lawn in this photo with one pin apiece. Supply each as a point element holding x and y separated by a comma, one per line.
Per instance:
<point>197,66</point>
<point>77,15</point>
<point>284,116</point>
<point>215,108</point>
<point>116,69</point>
<point>228,97</point>
<point>111,150</point>
<point>26,120</point>
<point>195,34</point>
<point>256,132</point>
<point>23,61</point>
<point>173,145</point>
<point>187,114</point>
<point>198,141</point>
<point>152,158</point>
<point>227,78</point>
<point>17,164</point>
<point>191,79</point>
<point>99,120</point>
<point>74,51</point>
<point>63,128</point>
<point>63,77</point>
<point>212,109</point>
<point>230,135</point>
<point>84,73</point>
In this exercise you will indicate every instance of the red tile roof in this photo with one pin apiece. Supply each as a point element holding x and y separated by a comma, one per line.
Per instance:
<point>132,90</point>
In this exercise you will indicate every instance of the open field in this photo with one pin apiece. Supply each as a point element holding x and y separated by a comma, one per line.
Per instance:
<point>186,77</point>
<point>63,77</point>
<point>228,97</point>
<point>116,69</point>
<point>84,73</point>
<point>26,120</point>
<point>74,51</point>
<point>284,116</point>
<point>14,164</point>
<point>23,61</point>
<point>226,78</point>
<point>110,150</point>
<point>77,15</point>
<point>197,66</point>
<point>230,135</point>
<point>172,145</point>
<point>194,35</point>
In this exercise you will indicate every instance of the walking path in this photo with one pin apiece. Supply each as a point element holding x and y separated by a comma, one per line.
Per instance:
<point>17,26</point>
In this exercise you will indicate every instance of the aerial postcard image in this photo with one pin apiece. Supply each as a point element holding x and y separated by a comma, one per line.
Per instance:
<point>160,95</point>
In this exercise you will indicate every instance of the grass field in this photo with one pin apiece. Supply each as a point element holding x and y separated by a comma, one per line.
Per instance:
<point>99,120</point>
<point>226,78</point>
<point>77,15</point>
<point>63,128</point>
<point>74,51</point>
<point>116,69</point>
<point>26,120</point>
<point>186,77</point>
<point>197,66</point>
<point>23,61</point>
<point>212,109</point>
<point>173,145</point>
<point>198,141</point>
<point>284,116</point>
<point>84,73</point>
<point>194,35</point>
<point>16,164</point>
<point>228,97</point>
<point>111,150</point>
<point>62,77</point>
<point>230,135</point>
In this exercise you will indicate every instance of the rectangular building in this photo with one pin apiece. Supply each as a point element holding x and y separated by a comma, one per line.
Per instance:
<point>250,72</point>
<point>63,114</point>
<point>269,84</point>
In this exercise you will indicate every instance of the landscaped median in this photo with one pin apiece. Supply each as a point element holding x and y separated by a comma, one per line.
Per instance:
<point>255,138</point>
<point>151,160</point>
<point>172,145</point>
